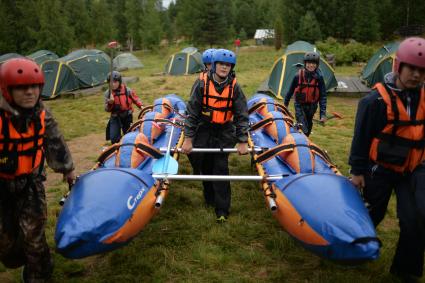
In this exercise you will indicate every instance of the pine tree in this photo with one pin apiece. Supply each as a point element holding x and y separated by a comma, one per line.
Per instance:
<point>189,17</point>
<point>278,33</point>
<point>101,23</point>
<point>213,26</point>
<point>291,11</point>
<point>246,18</point>
<point>242,34</point>
<point>134,14</point>
<point>78,18</point>
<point>54,32</point>
<point>152,27</point>
<point>120,21</point>
<point>366,25</point>
<point>7,42</point>
<point>309,29</point>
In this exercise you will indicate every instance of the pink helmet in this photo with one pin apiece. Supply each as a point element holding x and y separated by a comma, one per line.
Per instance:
<point>19,71</point>
<point>411,51</point>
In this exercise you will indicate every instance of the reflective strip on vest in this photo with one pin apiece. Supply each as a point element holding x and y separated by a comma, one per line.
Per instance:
<point>217,106</point>
<point>402,131</point>
<point>29,155</point>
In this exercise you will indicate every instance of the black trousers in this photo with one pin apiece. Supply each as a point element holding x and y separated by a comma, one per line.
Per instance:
<point>304,114</point>
<point>216,193</point>
<point>410,193</point>
<point>118,125</point>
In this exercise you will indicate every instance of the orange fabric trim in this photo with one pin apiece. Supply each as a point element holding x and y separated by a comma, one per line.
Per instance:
<point>292,222</point>
<point>141,216</point>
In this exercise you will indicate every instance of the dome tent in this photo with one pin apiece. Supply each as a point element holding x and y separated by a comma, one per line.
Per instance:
<point>379,64</point>
<point>187,61</point>
<point>286,67</point>
<point>126,61</point>
<point>80,69</point>
<point>42,56</point>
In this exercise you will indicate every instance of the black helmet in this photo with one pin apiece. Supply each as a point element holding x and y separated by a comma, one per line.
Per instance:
<point>312,57</point>
<point>116,76</point>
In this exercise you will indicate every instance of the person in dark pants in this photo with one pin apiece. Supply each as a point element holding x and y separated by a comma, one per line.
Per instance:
<point>309,89</point>
<point>29,135</point>
<point>217,118</point>
<point>120,104</point>
<point>388,153</point>
<point>196,159</point>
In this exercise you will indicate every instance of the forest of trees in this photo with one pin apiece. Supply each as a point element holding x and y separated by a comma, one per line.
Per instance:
<point>62,25</point>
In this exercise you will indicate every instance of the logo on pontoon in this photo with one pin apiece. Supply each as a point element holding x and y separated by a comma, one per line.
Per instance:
<point>132,201</point>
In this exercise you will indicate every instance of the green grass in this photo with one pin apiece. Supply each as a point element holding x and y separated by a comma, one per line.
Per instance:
<point>183,243</point>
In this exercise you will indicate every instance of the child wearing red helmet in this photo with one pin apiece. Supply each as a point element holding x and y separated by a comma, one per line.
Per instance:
<point>28,136</point>
<point>388,153</point>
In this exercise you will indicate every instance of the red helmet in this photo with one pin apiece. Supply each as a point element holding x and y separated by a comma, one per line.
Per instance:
<point>411,51</point>
<point>19,71</point>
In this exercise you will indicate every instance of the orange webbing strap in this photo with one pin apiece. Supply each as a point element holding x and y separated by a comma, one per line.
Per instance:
<point>134,126</point>
<point>280,106</point>
<point>269,154</point>
<point>144,110</point>
<point>262,123</point>
<point>140,147</point>
<point>158,120</point>
<point>324,155</point>
<point>268,189</point>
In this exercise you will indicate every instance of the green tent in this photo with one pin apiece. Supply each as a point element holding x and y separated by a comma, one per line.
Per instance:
<point>42,56</point>
<point>126,61</point>
<point>8,56</point>
<point>379,64</point>
<point>286,67</point>
<point>187,61</point>
<point>79,69</point>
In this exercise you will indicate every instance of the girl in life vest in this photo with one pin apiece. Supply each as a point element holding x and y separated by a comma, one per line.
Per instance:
<point>388,154</point>
<point>28,136</point>
<point>120,103</point>
<point>309,90</point>
<point>217,118</point>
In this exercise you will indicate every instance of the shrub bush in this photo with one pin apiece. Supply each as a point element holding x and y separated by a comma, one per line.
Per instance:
<point>346,54</point>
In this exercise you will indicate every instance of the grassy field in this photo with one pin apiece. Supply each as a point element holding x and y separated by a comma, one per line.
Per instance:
<point>183,243</point>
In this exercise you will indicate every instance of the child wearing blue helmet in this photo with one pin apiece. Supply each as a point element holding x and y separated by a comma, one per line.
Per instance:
<point>207,58</point>
<point>217,118</point>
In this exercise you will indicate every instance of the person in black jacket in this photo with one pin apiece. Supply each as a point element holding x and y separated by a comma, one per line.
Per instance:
<point>388,153</point>
<point>217,118</point>
<point>309,89</point>
<point>29,135</point>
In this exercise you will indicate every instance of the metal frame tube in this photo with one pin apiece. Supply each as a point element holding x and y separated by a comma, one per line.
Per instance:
<point>218,177</point>
<point>214,150</point>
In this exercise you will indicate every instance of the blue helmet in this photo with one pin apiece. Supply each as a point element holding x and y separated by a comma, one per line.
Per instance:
<point>223,55</point>
<point>207,56</point>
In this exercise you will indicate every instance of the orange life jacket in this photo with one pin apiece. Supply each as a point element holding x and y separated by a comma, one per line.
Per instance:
<point>216,107</point>
<point>401,145</point>
<point>20,153</point>
<point>122,100</point>
<point>306,91</point>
